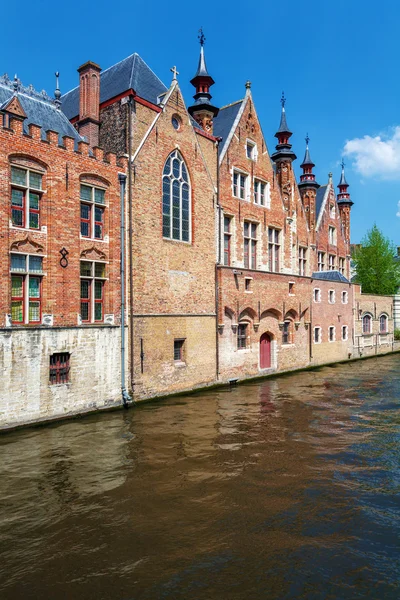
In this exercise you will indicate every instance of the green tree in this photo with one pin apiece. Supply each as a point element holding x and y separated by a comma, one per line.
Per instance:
<point>376,269</point>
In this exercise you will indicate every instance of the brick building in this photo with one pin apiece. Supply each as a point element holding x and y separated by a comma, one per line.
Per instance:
<point>60,263</point>
<point>234,269</point>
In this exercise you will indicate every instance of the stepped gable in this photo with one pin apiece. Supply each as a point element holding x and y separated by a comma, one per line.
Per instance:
<point>132,73</point>
<point>225,120</point>
<point>330,276</point>
<point>39,108</point>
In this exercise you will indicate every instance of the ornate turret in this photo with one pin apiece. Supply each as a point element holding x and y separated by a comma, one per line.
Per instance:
<point>202,110</point>
<point>283,148</point>
<point>345,203</point>
<point>307,179</point>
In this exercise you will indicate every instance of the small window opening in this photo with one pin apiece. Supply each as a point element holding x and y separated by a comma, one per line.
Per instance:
<point>59,368</point>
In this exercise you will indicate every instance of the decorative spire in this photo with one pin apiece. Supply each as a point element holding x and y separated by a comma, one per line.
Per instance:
<point>15,83</point>
<point>283,134</point>
<point>343,196</point>
<point>57,93</point>
<point>202,81</point>
<point>307,179</point>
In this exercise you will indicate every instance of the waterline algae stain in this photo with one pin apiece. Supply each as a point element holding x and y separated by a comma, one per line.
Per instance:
<point>285,488</point>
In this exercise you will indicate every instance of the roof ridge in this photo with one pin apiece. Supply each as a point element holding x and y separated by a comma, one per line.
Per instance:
<point>150,69</point>
<point>117,63</point>
<point>231,104</point>
<point>132,71</point>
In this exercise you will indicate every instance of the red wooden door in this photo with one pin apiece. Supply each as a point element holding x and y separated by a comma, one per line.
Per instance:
<point>265,351</point>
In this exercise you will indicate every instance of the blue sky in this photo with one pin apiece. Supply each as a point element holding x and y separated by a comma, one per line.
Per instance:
<point>336,61</point>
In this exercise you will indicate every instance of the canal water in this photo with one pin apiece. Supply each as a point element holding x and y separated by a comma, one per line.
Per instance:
<point>285,488</point>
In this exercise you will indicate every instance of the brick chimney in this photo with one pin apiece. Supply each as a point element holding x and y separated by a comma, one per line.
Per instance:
<point>89,102</point>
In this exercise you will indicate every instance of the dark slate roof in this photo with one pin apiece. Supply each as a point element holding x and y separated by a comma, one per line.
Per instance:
<point>343,179</point>
<point>319,199</point>
<point>307,159</point>
<point>130,73</point>
<point>330,276</point>
<point>202,67</point>
<point>225,119</point>
<point>283,126</point>
<point>39,108</point>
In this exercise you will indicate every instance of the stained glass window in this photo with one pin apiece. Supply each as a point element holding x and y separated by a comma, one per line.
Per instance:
<point>176,199</point>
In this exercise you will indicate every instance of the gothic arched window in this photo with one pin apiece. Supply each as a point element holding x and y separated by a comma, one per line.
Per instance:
<point>176,199</point>
<point>367,324</point>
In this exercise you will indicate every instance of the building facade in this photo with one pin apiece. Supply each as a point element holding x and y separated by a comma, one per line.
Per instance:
<point>234,269</point>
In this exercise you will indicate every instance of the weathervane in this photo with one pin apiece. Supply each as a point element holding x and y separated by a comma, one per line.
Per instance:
<point>201,36</point>
<point>307,139</point>
<point>283,100</point>
<point>343,164</point>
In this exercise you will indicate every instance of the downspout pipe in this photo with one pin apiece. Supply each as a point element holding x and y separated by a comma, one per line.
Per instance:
<point>130,214</point>
<point>126,399</point>
<point>219,258</point>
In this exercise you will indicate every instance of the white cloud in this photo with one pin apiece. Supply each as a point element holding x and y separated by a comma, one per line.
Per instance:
<point>376,156</point>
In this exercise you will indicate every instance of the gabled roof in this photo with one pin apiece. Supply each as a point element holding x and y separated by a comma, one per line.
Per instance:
<point>330,276</point>
<point>130,73</point>
<point>225,120</point>
<point>39,108</point>
<point>319,201</point>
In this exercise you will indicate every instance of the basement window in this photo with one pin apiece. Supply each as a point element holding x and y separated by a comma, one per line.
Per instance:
<point>179,347</point>
<point>59,368</point>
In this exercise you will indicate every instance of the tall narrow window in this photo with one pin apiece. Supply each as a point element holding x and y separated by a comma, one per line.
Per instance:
<point>92,212</point>
<point>367,324</point>
<point>26,192</point>
<point>242,336</point>
<point>92,291</point>
<point>250,245</point>
<point>342,265</point>
<point>240,185</point>
<point>227,240</point>
<point>302,260</point>
<point>331,263</point>
<point>26,288</point>
<point>332,235</point>
<point>273,249</point>
<point>321,261</point>
<point>317,335</point>
<point>179,346</point>
<point>344,332</point>
<point>287,332</point>
<point>331,334</point>
<point>176,199</point>
<point>383,321</point>
<point>261,193</point>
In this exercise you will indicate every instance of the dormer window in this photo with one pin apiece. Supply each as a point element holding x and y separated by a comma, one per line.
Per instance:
<point>251,150</point>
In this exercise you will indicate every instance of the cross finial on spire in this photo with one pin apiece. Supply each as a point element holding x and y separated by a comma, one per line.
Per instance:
<point>343,163</point>
<point>307,139</point>
<point>283,100</point>
<point>201,36</point>
<point>175,72</point>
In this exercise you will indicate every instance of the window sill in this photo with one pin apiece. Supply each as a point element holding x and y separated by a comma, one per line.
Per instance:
<point>179,364</point>
<point>89,239</point>
<point>42,230</point>
<point>177,241</point>
<point>290,345</point>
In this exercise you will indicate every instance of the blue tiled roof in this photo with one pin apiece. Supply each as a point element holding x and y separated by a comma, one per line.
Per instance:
<point>39,109</point>
<point>330,276</point>
<point>319,199</point>
<point>130,73</point>
<point>225,119</point>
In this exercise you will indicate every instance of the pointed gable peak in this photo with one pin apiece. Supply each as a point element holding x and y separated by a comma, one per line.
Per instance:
<point>14,107</point>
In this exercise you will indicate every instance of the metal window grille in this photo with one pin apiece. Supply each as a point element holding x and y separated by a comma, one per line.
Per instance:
<point>59,368</point>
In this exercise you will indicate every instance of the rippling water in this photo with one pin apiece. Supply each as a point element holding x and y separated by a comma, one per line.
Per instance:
<point>288,488</point>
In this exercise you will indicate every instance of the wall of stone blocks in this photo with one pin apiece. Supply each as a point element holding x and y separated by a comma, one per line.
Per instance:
<point>26,395</point>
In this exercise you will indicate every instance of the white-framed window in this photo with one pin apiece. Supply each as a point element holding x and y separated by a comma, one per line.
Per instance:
<point>250,245</point>
<point>331,262</point>
<point>345,297</point>
<point>383,324</point>
<point>274,249</point>
<point>92,211</point>
<point>26,194</point>
<point>342,267</point>
<point>26,288</point>
<point>321,261</point>
<point>176,204</point>
<point>251,150</point>
<point>317,335</point>
<point>331,297</point>
<point>240,184</point>
<point>332,212</point>
<point>302,260</point>
<point>367,324</point>
<point>261,193</point>
<point>227,239</point>
<point>317,295</point>
<point>93,278</point>
<point>332,235</point>
<point>331,334</point>
<point>345,333</point>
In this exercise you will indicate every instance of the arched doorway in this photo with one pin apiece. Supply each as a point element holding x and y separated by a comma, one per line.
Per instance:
<point>265,351</point>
